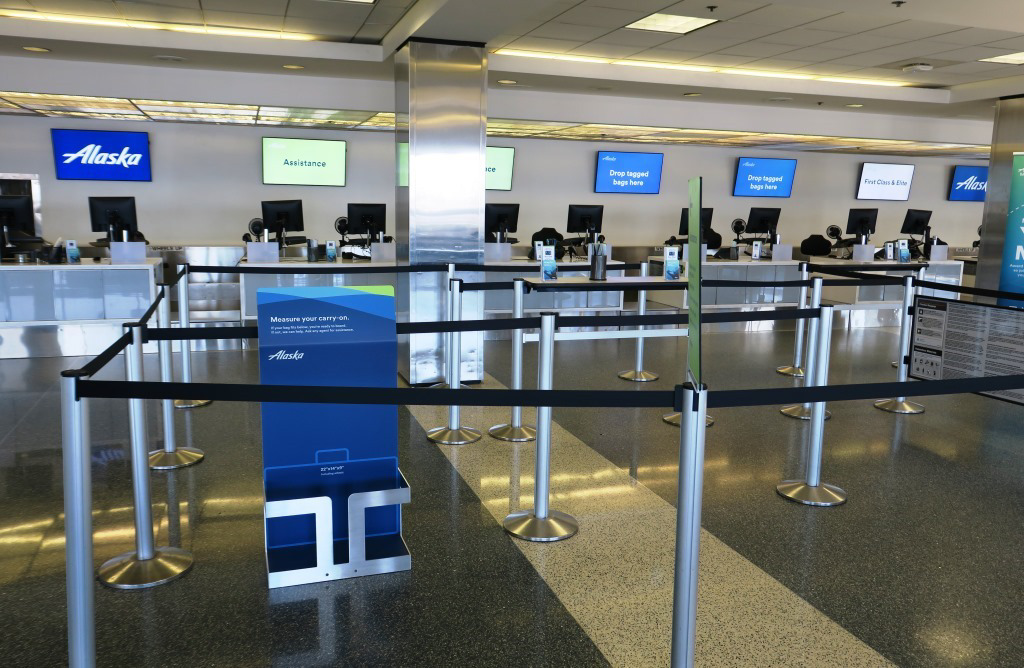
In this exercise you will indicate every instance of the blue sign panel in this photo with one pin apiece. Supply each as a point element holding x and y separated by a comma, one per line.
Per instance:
<point>333,337</point>
<point>636,173</point>
<point>969,184</point>
<point>99,155</point>
<point>764,177</point>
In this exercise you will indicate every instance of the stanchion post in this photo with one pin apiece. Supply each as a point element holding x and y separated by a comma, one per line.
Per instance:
<point>148,565</point>
<point>186,345</point>
<point>797,368</point>
<point>900,404</point>
<point>542,524</point>
<point>688,506</point>
<point>515,431</point>
<point>78,525</point>
<point>170,457</point>
<point>804,411</point>
<point>637,373</point>
<point>811,491</point>
<point>455,433</point>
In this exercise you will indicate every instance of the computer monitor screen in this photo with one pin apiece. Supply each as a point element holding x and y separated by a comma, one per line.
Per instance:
<point>366,219</point>
<point>969,184</point>
<point>763,220</point>
<point>500,218</point>
<point>116,211</point>
<point>861,221</point>
<point>17,216</point>
<point>705,220</point>
<point>585,218</point>
<point>303,162</point>
<point>885,181</point>
<point>635,173</point>
<point>915,223</point>
<point>498,165</point>
<point>764,177</point>
<point>283,215</point>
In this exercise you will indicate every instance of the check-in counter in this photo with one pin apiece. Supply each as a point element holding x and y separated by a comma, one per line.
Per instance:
<point>53,310</point>
<point>743,269</point>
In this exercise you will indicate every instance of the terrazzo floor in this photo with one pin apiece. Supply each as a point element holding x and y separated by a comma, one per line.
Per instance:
<point>921,568</point>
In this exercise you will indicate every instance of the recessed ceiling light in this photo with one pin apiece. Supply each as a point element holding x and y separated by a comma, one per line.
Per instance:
<point>670,23</point>
<point>507,82</point>
<point>294,67</point>
<point>691,94</point>
<point>1008,59</point>
<point>855,106</point>
<point>35,49</point>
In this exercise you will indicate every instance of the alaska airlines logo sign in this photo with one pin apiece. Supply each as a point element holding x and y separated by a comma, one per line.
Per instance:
<point>282,355</point>
<point>101,156</point>
<point>969,184</point>
<point>93,155</point>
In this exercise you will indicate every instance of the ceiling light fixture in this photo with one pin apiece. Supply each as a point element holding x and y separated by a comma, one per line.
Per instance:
<point>35,49</point>
<point>551,56</point>
<point>855,106</point>
<point>294,67</point>
<point>664,66</point>
<point>866,82</point>
<point>507,82</point>
<point>1008,59</point>
<point>153,25</point>
<point>670,23</point>
<point>691,94</point>
<point>773,75</point>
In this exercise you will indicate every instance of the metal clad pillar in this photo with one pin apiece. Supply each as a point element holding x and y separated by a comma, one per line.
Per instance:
<point>441,126</point>
<point>1007,139</point>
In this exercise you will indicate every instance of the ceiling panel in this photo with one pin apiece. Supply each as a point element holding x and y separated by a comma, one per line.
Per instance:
<point>145,11</point>
<point>104,8</point>
<point>601,17</point>
<point>777,64</point>
<point>758,49</point>
<point>240,20</point>
<point>561,30</point>
<point>544,44</point>
<point>864,42</point>
<point>665,55</point>
<point>972,36</point>
<point>802,37</point>
<point>647,6</point>
<point>851,23</point>
<point>816,54</point>
<point>330,11</point>
<point>251,6</point>
<point>911,30</point>
<point>599,50</point>
<point>1015,43</point>
<point>972,53</point>
<point>724,9</point>
<point>730,30</point>
<point>783,16</point>
<point>22,5</point>
<point>719,60</point>
<point>640,38</point>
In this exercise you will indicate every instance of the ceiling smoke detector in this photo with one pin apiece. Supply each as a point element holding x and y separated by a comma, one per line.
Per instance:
<point>918,67</point>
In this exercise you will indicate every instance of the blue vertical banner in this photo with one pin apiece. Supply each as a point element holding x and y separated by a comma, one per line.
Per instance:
<point>321,460</point>
<point>1011,278</point>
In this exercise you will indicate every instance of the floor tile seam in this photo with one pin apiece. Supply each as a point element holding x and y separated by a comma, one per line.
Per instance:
<point>706,536</point>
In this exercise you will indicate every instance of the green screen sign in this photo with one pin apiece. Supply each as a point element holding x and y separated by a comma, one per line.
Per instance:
<point>303,162</point>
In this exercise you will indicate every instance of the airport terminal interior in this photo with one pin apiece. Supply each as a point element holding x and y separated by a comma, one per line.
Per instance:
<point>532,333</point>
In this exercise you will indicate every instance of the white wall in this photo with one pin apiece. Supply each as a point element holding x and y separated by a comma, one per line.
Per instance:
<point>207,185</point>
<point>207,182</point>
<point>551,174</point>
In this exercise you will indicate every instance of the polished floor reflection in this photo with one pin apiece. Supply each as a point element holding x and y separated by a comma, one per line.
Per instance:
<point>922,566</point>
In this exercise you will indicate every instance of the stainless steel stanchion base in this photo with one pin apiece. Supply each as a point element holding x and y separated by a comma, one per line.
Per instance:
<point>444,386</point>
<point>676,419</point>
<point>161,460</point>
<point>639,376</point>
<point>506,432</point>
<point>446,436</point>
<point>800,412</point>
<point>903,407</point>
<point>192,403</point>
<point>556,526</point>
<point>794,371</point>
<point>128,572</point>
<point>801,492</point>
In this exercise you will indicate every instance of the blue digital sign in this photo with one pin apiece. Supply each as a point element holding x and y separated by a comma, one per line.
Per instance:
<point>969,184</point>
<point>764,177</point>
<point>636,173</point>
<point>101,155</point>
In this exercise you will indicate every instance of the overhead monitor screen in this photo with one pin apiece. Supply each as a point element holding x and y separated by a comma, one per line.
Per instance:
<point>101,155</point>
<point>764,177</point>
<point>499,168</point>
<point>885,181</point>
<point>635,173</point>
<point>969,184</point>
<point>303,162</point>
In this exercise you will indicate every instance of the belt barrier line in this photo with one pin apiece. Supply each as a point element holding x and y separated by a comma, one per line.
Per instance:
<point>317,268</point>
<point>963,289</point>
<point>152,307</point>
<point>96,364</point>
<point>852,270</point>
<point>108,389</point>
<point>861,391</point>
<point>493,285</point>
<point>533,266</point>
